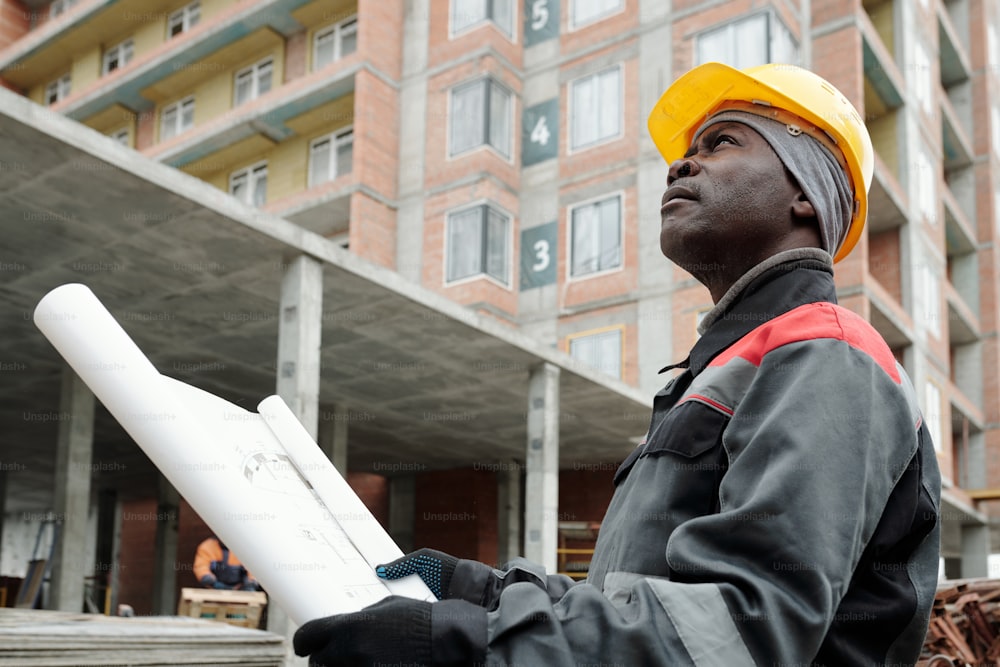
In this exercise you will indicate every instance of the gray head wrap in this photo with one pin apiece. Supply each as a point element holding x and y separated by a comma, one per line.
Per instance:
<point>816,170</point>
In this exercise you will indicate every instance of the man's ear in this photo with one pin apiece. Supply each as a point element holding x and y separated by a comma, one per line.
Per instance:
<point>802,207</point>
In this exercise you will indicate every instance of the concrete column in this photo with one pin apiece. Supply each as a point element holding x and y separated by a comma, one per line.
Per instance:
<point>509,512</point>
<point>165,551</point>
<point>975,550</point>
<point>333,438</point>
<point>74,452</point>
<point>402,504</point>
<point>299,333</point>
<point>3,507</point>
<point>541,497</point>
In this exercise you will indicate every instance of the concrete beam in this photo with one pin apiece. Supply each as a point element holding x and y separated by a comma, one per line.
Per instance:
<point>299,337</point>
<point>541,501</point>
<point>74,452</point>
<point>165,550</point>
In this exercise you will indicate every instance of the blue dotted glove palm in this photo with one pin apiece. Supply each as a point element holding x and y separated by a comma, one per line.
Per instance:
<point>435,568</point>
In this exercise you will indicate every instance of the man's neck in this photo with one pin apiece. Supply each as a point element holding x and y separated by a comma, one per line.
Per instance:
<point>734,291</point>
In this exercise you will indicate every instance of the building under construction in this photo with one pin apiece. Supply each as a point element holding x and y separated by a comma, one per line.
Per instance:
<point>460,201</point>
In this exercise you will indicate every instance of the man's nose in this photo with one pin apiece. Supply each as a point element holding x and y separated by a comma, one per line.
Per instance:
<point>682,168</point>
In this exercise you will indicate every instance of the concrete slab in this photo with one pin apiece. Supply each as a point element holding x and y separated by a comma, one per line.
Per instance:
<point>194,276</point>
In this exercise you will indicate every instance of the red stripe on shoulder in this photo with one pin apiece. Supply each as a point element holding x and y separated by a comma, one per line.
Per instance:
<point>809,322</point>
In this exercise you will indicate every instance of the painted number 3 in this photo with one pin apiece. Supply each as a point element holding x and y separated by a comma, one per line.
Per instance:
<point>539,14</point>
<point>541,255</point>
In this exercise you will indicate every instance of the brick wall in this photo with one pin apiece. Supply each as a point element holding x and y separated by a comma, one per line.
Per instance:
<point>461,522</point>
<point>15,19</point>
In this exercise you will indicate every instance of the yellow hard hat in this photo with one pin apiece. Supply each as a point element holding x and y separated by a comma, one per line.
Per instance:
<point>829,117</point>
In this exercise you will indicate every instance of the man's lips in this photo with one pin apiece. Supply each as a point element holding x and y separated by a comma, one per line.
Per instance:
<point>676,192</point>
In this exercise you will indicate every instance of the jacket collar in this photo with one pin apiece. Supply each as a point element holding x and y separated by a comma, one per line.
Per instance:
<point>779,284</point>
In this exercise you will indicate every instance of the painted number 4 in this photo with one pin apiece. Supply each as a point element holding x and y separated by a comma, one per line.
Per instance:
<point>539,14</point>
<point>541,255</point>
<point>540,133</point>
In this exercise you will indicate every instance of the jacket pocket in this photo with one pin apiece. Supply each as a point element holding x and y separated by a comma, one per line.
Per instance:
<point>691,429</point>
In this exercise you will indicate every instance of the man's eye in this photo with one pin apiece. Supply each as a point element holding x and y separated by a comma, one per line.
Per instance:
<point>723,139</point>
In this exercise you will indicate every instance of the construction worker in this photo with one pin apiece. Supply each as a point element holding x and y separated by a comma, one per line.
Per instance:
<point>783,507</point>
<point>216,567</point>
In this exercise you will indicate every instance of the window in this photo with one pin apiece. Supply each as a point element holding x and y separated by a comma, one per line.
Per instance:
<point>932,413</point>
<point>250,185</point>
<point>602,351</point>
<point>922,76</point>
<point>480,115</point>
<point>754,40</point>
<point>330,156</point>
<point>583,12</point>
<point>335,43</point>
<point>117,56</point>
<point>925,182</point>
<point>478,243</point>
<point>253,81</point>
<point>596,113</point>
<point>121,136</point>
<point>467,13</point>
<point>932,300</point>
<point>596,236</point>
<point>183,19</point>
<point>60,6</point>
<point>58,89</point>
<point>176,118</point>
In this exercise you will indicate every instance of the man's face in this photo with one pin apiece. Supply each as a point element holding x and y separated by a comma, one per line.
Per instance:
<point>727,205</point>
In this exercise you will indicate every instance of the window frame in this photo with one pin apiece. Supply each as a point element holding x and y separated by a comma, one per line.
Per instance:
<point>251,172</point>
<point>60,7</point>
<point>571,110</point>
<point>488,81</point>
<point>573,25</point>
<point>255,73</point>
<point>600,331</point>
<point>485,206</point>
<point>771,17</point>
<point>120,52</point>
<point>338,31</point>
<point>62,87</point>
<point>620,195</point>
<point>336,140</point>
<point>489,16</point>
<point>184,13</point>
<point>121,133</point>
<point>177,106</point>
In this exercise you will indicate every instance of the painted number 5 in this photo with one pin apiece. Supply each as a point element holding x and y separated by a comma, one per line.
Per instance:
<point>539,14</point>
<point>541,255</point>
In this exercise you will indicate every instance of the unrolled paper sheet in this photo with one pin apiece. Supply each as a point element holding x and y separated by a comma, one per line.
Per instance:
<point>258,480</point>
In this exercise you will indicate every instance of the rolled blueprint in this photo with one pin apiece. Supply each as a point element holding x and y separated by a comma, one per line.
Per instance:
<point>270,495</point>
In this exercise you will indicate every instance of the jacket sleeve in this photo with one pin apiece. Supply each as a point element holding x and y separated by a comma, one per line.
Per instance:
<point>481,584</point>
<point>815,447</point>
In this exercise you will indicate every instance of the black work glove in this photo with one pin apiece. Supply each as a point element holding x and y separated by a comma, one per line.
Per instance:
<point>397,630</point>
<point>434,567</point>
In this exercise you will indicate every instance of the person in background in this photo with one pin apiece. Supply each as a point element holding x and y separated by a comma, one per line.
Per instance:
<point>216,567</point>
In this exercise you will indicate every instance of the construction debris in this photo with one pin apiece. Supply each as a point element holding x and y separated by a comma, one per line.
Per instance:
<point>965,625</point>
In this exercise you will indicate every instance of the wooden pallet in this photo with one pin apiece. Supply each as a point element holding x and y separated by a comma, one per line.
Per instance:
<point>240,608</point>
